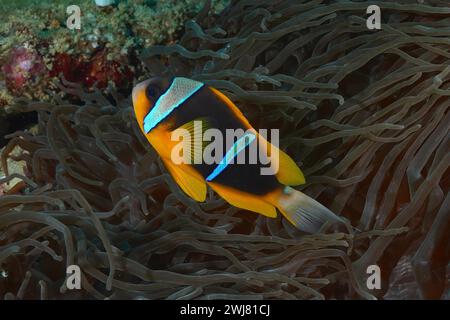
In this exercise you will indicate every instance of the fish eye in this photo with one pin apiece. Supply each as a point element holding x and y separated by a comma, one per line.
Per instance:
<point>152,92</point>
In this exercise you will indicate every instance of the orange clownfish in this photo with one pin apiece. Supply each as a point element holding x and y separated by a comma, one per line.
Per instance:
<point>163,106</point>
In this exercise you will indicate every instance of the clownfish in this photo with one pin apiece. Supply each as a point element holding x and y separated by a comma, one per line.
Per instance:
<point>162,106</point>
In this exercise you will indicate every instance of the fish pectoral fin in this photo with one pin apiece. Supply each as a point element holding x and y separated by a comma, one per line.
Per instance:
<point>245,200</point>
<point>189,180</point>
<point>195,144</point>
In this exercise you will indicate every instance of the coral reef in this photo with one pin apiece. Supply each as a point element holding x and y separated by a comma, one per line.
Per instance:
<point>110,36</point>
<point>364,112</point>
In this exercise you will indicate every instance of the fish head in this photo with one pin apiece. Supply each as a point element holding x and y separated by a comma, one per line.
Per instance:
<point>145,94</point>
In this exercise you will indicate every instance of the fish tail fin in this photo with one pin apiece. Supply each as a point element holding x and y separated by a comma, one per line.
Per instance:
<point>305,213</point>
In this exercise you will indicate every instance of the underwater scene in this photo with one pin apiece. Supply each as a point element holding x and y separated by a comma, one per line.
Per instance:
<point>224,150</point>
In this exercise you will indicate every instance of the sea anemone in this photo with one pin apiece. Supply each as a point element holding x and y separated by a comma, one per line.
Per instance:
<point>364,113</point>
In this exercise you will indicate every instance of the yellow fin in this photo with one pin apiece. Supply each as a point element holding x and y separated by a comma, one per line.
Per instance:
<point>288,173</point>
<point>196,128</point>
<point>204,124</point>
<point>238,113</point>
<point>245,200</point>
<point>189,180</point>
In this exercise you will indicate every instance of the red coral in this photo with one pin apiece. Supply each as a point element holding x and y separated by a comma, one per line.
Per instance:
<point>102,70</point>
<point>69,67</point>
<point>25,67</point>
<point>98,71</point>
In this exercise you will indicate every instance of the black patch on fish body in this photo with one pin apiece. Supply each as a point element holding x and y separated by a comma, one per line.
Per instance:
<point>247,177</point>
<point>244,177</point>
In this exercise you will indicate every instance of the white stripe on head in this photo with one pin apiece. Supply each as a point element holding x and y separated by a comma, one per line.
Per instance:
<point>179,91</point>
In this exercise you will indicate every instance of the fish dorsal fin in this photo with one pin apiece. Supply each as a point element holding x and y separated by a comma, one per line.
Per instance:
<point>244,200</point>
<point>189,180</point>
<point>238,113</point>
<point>288,173</point>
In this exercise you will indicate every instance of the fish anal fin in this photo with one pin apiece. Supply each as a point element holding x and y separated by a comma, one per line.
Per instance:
<point>245,200</point>
<point>189,180</point>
